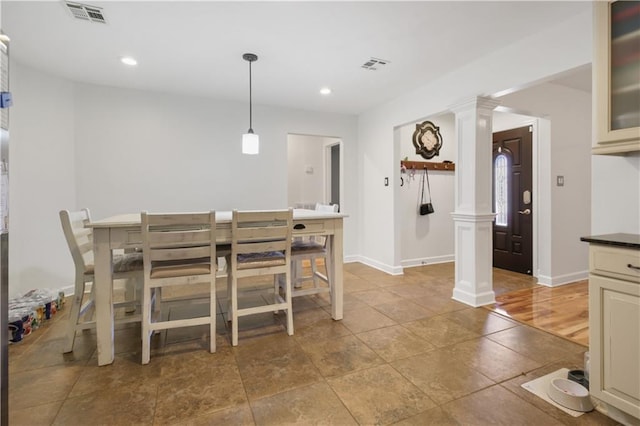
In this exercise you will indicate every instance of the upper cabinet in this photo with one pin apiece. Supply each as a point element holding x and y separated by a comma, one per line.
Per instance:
<point>616,73</point>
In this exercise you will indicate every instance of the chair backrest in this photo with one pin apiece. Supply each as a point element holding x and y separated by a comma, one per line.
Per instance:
<point>179,244</point>
<point>79,238</point>
<point>334,208</point>
<point>258,235</point>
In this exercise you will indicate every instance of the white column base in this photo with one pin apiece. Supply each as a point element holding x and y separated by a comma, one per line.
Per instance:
<point>474,259</point>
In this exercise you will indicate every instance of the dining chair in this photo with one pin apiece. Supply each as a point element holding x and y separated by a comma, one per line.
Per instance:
<point>126,266</point>
<point>312,249</point>
<point>179,250</point>
<point>260,246</point>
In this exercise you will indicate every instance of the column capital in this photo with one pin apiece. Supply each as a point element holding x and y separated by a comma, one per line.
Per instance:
<point>474,103</point>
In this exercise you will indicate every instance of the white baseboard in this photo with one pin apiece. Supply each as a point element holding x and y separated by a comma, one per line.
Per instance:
<point>410,263</point>
<point>392,270</point>
<point>562,279</point>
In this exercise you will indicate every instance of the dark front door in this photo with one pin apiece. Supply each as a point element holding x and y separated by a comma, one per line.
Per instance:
<point>512,200</point>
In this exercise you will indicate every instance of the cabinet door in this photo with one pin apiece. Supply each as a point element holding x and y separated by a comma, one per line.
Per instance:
<point>616,70</point>
<point>615,374</point>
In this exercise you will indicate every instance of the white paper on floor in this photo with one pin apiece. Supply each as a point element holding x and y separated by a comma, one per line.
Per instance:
<point>539,387</point>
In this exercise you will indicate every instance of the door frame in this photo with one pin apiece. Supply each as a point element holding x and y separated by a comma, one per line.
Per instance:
<point>327,170</point>
<point>541,133</point>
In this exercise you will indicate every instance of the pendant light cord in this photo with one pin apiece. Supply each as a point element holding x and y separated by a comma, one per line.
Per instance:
<point>250,102</point>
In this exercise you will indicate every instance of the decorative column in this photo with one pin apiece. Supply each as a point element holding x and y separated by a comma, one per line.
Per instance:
<point>473,216</point>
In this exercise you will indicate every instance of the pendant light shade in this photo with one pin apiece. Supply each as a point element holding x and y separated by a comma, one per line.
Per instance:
<point>250,141</point>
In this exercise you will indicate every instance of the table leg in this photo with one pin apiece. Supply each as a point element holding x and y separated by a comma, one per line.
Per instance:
<point>337,276</point>
<point>103,282</point>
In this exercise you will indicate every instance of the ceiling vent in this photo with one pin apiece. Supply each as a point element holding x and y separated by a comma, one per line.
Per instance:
<point>86,12</point>
<point>375,64</point>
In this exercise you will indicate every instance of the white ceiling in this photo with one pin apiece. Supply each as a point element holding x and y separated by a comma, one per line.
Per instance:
<point>196,48</point>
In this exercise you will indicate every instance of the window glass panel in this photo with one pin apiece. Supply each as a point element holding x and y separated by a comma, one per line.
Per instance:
<point>501,190</point>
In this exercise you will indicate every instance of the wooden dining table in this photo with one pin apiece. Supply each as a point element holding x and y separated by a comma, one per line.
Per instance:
<point>124,232</point>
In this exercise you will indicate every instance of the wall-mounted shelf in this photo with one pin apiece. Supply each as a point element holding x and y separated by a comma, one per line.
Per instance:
<point>430,165</point>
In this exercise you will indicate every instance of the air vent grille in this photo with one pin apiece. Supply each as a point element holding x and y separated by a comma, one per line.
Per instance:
<point>374,64</point>
<point>86,12</point>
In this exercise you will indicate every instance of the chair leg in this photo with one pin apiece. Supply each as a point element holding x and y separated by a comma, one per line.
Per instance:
<point>130,294</point>
<point>289,304</point>
<point>74,314</point>
<point>212,315</point>
<point>234,310</point>
<point>146,324</point>
<point>314,271</point>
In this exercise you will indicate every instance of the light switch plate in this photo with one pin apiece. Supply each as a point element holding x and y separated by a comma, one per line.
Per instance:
<point>560,180</point>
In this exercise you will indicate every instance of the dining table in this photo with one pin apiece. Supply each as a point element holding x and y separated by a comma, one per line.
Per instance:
<point>124,231</point>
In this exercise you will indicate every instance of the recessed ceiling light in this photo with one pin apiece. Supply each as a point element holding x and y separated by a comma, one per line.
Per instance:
<point>127,60</point>
<point>325,91</point>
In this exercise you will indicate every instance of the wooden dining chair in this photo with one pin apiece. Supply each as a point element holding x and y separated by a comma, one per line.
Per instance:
<point>179,249</point>
<point>312,249</point>
<point>260,246</point>
<point>125,266</point>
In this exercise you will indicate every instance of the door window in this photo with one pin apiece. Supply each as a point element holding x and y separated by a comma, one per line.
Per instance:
<point>501,189</point>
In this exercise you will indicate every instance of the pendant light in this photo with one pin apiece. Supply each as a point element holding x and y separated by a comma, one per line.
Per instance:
<point>250,141</point>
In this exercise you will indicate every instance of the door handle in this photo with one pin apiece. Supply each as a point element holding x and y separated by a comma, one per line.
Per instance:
<point>526,211</point>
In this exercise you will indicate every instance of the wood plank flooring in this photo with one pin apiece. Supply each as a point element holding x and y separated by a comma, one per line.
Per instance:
<point>562,311</point>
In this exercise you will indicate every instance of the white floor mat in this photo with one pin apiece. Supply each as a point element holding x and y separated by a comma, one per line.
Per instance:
<point>539,387</point>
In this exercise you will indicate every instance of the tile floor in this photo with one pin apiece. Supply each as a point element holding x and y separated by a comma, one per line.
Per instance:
<point>405,353</point>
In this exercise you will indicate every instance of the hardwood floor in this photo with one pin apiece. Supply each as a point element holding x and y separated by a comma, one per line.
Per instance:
<point>562,311</point>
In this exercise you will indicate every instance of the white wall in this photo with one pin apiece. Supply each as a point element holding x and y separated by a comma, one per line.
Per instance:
<point>565,46</point>
<point>117,150</point>
<point>430,238</point>
<point>615,194</point>
<point>306,168</point>
<point>42,180</point>
<point>565,210</point>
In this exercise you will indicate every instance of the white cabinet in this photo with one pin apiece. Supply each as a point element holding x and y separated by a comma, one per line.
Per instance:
<point>616,76</point>
<point>614,326</point>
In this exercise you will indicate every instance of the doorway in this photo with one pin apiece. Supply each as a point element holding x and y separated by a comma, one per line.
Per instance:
<point>314,168</point>
<point>513,200</point>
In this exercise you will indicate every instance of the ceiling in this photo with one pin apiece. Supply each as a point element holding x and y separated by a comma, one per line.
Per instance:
<point>196,48</point>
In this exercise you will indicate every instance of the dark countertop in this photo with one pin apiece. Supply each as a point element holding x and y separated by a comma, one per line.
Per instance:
<point>620,240</point>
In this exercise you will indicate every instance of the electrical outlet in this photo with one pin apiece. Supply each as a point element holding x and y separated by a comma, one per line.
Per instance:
<point>386,181</point>
<point>560,180</point>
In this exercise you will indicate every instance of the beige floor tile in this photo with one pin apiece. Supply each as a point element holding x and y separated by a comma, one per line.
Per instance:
<point>125,370</point>
<point>240,415</point>
<point>366,319</point>
<point>321,330</point>
<point>440,331</point>
<point>487,407</point>
<point>380,396</point>
<point>316,404</point>
<point>395,342</point>
<point>535,344</point>
<point>441,377</point>
<point>132,404</point>
<point>35,357</point>
<point>341,355</point>
<point>404,311</point>
<point>309,317</point>
<point>480,320</point>
<point>357,284</point>
<point>377,296</point>
<point>491,359</point>
<point>35,415</point>
<point>433,417</point>
<point>201,388</point>
<point>439,303</point>
<point>274,365</point>
<point>42,385</point>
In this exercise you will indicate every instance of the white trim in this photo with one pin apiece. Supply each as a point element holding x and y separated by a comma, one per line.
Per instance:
<point>391,270</point>
<point>562,279</point>
<point>411,263</point>
<point>473,299</point>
